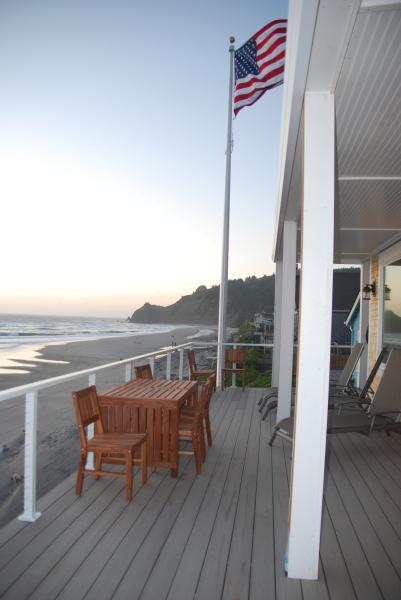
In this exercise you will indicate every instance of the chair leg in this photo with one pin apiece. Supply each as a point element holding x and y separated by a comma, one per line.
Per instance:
<point>243,381</point>
<point>208,430</point>
<point>128,475</point>
<point>144,462</point>
<point>197,453</point>
<point>202,442</point>
<point>80,475</point>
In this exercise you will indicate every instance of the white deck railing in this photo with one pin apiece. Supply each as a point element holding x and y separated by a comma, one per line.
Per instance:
<point>31,391</point>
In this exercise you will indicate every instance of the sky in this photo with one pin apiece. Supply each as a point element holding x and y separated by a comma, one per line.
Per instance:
<point>113,121</point>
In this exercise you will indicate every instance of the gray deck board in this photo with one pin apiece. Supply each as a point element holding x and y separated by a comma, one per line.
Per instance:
<point>262,578</point>
<point>360,513</point>
<point>165,567</point>
<point>361,575</point>
<point>186,579</point>
<point>140,569</point>
<point>221,535</point>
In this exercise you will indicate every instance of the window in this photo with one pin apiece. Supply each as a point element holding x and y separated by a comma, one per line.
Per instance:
<point>392,304</point>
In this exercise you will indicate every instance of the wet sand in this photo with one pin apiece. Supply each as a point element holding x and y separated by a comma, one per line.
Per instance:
<point>57,437</point>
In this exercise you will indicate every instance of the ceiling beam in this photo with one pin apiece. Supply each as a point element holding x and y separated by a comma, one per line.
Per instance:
<point>368,5</point>
<point>369,178</point>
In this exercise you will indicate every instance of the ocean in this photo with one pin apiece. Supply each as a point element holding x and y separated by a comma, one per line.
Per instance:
<point>22,335</point>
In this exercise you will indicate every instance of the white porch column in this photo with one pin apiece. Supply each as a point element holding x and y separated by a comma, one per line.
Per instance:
<point>287,319</point>
<point>363,324</point>
<point>278,295</point>
<point>316,284</point>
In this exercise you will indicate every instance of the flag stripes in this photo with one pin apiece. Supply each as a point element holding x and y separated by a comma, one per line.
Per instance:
<point>259,64</point>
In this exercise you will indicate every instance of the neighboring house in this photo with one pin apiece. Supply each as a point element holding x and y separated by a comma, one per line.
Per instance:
<point>262,320</point>
<point>339,202</point>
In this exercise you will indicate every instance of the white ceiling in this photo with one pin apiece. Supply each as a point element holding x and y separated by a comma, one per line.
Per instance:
<point>368,128</point>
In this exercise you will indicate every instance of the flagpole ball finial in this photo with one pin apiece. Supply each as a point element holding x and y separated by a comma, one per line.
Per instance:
<point>232,39</point>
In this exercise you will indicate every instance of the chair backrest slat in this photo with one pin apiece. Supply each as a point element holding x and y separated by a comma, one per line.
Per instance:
<point>367,387</point>
<point>143,372</point>
<point>191,361</point>
<point>351,363</point>
<point>235,356</point>
<point>87,411</point>
<point>387,397</point>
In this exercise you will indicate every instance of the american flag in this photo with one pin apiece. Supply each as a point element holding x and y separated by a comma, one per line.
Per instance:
<point>259,64</point>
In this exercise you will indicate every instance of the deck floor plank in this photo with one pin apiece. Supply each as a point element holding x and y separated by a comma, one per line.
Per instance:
<point>361,508</point>
<point>21,564</point>
<point>115,569</point>
<point>141,567</point>
<point>212,575</point>
<point>380,504</point>
<point>163,571</point>
<point>361,575</point>
<point>94,562</point>
<point>218,536</point>
<point>237,577</point>
<point>188,574</point>
<point>262,576</point>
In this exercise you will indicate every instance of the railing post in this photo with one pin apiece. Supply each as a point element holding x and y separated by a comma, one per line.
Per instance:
<point>233,378</point>
<point>152,364</point>
<point>90,464</point>
<point>30,513</point>
<point>168,366</point>
<point>128,372</point>
<point>181,365</point>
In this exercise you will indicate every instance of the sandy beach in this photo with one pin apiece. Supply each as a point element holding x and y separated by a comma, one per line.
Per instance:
<point>57,439</point>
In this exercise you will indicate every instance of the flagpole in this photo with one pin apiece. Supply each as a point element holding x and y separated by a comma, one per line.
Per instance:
<point>221,336</point>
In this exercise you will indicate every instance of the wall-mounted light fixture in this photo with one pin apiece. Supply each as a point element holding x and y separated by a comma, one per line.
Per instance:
<point>369,290</point>
<point>387,292</point>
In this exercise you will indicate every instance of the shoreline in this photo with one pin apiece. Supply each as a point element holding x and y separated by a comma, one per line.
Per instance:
<point>33,362</point>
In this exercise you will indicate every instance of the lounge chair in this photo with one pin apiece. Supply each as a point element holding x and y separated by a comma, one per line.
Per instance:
<point>343,382</point>
<point>382,414</point>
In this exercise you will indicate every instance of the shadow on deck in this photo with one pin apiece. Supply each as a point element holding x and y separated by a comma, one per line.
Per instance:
<point>219,535</point>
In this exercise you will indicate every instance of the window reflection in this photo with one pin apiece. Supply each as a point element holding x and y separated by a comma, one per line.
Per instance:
<point>392,304</point>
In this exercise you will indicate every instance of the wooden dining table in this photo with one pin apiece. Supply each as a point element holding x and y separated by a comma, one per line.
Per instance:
<point>152,406</point>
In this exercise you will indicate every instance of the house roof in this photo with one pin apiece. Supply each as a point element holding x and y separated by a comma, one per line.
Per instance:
<point>354,51</point>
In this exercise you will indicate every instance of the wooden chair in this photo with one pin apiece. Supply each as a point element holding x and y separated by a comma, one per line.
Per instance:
<point>143,372</point>
<point>237,358</point>
<point>203,406</point>
<point>112,448</point>
<point>190,426</point>
<point>196,373</point>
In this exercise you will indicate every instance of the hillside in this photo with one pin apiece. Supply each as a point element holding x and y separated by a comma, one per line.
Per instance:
<point>245,298</point>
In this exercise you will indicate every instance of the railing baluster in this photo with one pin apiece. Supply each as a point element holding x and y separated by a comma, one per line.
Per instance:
<point>168,366</point>
<point>233,377</point>
<point>128,372</point>
<point>152,364</point>
<point>30,513</point>
<point>90,464</point>
<point>181,365</point>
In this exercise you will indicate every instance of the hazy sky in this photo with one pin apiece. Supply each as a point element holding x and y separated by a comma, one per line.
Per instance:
<point>113,121</point>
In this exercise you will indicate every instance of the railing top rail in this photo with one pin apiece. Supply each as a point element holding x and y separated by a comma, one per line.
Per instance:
<point>251,345</point>
<point>46,383</point>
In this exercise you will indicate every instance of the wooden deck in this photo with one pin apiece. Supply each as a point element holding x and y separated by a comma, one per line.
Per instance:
<point>220,535</point>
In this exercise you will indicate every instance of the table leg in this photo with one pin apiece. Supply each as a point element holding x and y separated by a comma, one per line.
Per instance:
<point>174,442</point>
